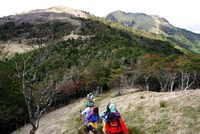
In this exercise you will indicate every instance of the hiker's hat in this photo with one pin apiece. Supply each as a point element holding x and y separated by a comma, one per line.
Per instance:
<point>112,108</point>
<point>111,117</point>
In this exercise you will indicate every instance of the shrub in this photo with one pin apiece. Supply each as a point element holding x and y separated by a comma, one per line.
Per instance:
<point>163,104</point>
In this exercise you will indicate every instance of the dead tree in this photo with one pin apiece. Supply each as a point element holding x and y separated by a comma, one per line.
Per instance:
<point>146,78</point>
<point>38,91</point>
<point>187,80</point>
<point>166,80</point>
<point>3,47</point>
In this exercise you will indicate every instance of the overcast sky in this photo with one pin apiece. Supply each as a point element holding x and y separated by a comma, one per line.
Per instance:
<point>180,13</point>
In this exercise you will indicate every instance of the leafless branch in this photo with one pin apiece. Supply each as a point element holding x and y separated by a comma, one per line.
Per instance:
<point>38,95</point>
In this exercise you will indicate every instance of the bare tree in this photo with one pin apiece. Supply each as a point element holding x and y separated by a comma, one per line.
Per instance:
<point>166,80</point>
<point>173,77</point>
<point>128,79</point>
<point>187,80</point>
<point>38,90</point>
<point>3,47</point>
<point>146,78</point>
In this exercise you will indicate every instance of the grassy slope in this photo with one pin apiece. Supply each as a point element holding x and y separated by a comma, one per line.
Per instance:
<point>143,112</point>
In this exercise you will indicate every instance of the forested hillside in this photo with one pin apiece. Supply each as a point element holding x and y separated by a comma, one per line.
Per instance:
<point>80,55</point>
<point>187,40</point>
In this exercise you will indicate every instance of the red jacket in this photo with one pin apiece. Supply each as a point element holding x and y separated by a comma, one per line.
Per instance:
<point>116,130</point>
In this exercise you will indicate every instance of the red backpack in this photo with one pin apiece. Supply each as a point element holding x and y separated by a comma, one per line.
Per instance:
<point>114,123</point>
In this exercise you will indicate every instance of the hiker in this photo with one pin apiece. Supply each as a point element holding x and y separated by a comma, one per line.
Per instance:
<point>89,100</point>
<point>89,103</point>
<point>104,117</point>
<point>90,96</point>
<point>114,123</point>
<point>92,118</point>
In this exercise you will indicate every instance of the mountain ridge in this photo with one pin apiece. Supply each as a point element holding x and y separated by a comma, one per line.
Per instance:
<point>136,18</point>
<point>53,13</point>
<point>33,23</point>
<point>152,23</point>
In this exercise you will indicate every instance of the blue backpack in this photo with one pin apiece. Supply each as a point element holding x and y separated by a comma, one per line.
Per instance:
<point>94,113</point>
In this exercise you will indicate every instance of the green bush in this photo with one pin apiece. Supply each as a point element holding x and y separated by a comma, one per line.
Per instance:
<point>163,104</point>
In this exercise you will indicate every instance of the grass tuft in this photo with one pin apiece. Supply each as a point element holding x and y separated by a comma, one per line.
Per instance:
<point>163,104</point>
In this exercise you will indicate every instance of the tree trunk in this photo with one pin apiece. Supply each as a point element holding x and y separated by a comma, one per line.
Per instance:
<point>34,128</point>
<point>147,83</point>
<point>173,78</point>
<point>187,80</point>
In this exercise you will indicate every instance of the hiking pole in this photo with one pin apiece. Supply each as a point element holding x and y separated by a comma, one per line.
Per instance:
<point>80,115</point>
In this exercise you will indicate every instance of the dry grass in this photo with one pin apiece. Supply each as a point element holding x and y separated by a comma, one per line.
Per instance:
<point>15,47</point>
<point>141,111</point>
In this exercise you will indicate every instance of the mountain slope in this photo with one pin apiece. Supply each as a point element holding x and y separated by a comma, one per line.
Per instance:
<point>47,26</point>
<point>143,113</point>
<point>83,53</point>
<point>18,32</point>
<point>158,25</point>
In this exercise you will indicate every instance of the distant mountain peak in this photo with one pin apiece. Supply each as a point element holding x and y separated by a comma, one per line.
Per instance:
<point>140,21</point>
<point>157,25</point>
<point>62,9</point>
<point>53,13</point>
<point>119,11</point>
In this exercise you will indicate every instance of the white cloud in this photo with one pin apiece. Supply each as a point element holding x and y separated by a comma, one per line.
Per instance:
<point>180,13</point>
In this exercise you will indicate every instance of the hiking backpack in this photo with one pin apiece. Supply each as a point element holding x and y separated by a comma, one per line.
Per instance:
<point>114,122</point>
<point>93,115</point>
<point>89,103</point>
